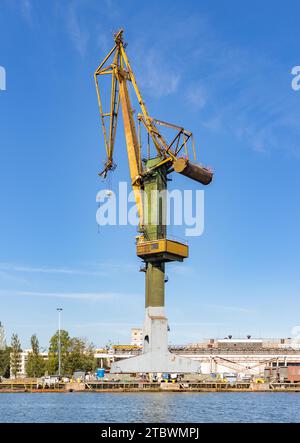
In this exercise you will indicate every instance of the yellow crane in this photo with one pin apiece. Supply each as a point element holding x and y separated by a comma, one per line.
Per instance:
<point>148,174</point>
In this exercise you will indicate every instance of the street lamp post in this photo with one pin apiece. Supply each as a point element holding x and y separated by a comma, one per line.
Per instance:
<point>59,310</point>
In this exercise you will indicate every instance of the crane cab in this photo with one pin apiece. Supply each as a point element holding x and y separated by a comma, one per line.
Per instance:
<point>164,249</point>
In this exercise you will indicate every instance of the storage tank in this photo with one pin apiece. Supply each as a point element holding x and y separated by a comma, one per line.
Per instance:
<point>100,373</point>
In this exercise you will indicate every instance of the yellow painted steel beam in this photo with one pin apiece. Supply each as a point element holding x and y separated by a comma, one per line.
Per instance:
<point>132,145</point>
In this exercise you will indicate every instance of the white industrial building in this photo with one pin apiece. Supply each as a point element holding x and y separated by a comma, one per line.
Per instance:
<point>243,357</point>
<point>22,364</point>
<point>136,337</point>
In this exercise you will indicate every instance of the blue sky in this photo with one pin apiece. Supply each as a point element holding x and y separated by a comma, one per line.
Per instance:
<point>211,67</point>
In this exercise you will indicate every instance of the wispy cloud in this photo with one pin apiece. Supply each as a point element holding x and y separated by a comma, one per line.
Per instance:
<point>78,35</point>
<point>181,270</point>
<point>196,96</point>
<point>116,266</point>
<point>26,9</point>
<point>103,42</point>
<point>198,323</point>
<point>100,269</point>
<point>231,308</point>
<point>9,278</point>
<point>84,296</point>
<point>48,270</point>
<point>103,325</point>
<point>240,91</point>
<point>157,76</point>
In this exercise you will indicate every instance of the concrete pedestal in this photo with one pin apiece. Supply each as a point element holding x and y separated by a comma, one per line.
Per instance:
<point>156,357</point>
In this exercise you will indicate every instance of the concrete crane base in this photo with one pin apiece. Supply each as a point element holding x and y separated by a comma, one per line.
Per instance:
<point>156,357</point>
<point>155,361</point>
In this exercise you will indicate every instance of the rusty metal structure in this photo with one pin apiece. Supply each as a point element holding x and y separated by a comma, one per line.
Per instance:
<point>149,174</point>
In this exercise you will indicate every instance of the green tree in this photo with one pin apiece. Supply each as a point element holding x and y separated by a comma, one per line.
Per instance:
<point>90,363</point>
<point>76,354</point>
<point>35,366</point>
<point>15,356</point>
<point>65,343</point>
<point>5,362</point>
<point>80,357</point>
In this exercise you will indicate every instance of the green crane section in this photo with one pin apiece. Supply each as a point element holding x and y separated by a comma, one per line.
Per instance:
<point>155,186</point>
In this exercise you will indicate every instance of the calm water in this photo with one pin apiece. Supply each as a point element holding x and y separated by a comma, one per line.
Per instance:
<point>150,407</point>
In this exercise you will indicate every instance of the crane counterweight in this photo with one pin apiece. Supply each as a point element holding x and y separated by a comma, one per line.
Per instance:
<point>193,171</point>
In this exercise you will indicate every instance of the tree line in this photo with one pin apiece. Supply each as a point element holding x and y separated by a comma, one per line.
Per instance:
<point>77,354</point>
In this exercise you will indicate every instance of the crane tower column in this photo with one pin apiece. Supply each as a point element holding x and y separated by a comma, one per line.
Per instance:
<point>156,250</point>
<point>156,324</point>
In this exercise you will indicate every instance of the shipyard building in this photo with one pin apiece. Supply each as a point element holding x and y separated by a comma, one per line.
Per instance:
<point>218,357</point>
